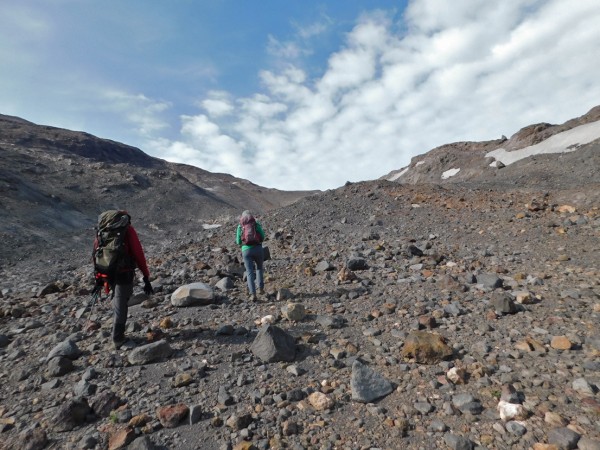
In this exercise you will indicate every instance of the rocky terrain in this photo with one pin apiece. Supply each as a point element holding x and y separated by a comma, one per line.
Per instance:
<point>458,315</point>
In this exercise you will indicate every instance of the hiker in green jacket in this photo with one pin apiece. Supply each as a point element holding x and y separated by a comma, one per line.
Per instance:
<point>250,236</point>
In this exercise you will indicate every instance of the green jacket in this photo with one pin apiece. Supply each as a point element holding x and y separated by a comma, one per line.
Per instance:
<point>238,236</point>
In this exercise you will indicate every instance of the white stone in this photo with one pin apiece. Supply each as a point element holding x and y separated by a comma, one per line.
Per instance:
<point>510,411</point>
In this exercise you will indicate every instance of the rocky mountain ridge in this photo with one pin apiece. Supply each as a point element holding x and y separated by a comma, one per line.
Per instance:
<point>473,162</point>
<point>55,182</point>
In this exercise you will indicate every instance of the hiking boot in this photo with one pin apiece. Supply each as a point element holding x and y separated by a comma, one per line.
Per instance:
<point>118,343</point>
<point>253,298</point>
<point>118,335</point>
<point>261,291</point>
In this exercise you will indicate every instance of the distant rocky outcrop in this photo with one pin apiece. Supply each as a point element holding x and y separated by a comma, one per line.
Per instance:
<point>480,162</point>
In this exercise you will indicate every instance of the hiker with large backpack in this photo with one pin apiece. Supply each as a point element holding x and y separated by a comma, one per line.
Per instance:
<point>250,236</point>
<point>117,253</point>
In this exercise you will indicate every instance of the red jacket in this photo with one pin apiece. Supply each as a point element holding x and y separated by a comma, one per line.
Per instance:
<point>134,249</point>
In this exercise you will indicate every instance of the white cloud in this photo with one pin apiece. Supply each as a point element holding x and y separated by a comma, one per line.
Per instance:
<point>218,104</point>
<point>396,87</point>
<point>285,49</point>
<point>460,71</point>
<point>139,110</point>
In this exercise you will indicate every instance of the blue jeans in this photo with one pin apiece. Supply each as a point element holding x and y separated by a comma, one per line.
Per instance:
<point>254,255</point>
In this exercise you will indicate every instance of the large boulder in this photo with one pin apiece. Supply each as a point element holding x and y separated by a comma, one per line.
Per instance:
<point>273,344</point>
<point>194,294</point>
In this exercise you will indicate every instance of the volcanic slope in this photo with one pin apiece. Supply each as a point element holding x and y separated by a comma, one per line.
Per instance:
<point>55,182</point>
<point>507,278</point>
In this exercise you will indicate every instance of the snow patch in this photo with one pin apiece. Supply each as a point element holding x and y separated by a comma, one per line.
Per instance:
<point>567,141</point>
<point>450,173</point>
<point>210,226</point>
<point>399,174</point>
<point>419,163</point>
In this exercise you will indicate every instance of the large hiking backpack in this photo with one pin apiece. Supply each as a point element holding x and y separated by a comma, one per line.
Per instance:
<point>110,255</point>
<point>250,235</point>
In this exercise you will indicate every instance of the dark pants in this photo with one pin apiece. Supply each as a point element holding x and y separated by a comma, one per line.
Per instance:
<point>120,307</point>
<point>252,256</point>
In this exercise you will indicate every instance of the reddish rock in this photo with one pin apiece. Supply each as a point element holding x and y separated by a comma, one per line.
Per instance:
<point>120,437</point>
<point>172,415</point>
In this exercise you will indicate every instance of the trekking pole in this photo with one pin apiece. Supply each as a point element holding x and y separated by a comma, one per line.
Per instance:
<point>94,298</point>
<point>91,303</point>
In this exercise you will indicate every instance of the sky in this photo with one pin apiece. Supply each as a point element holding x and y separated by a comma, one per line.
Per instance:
<point>298,94</point>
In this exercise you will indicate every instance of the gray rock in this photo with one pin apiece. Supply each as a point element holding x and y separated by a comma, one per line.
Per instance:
<point>368,385</point>
<point>84,389</point>
<point>294,312</point>
<point>356,263</point>
<point>563,438</point>
<point>414,250</point>
<point>4,341</point>
<point>224,397</point>
<point>509,394</point>
<point>466,403</point>
<point>273,344</point>
<point>438,426</point>
<point>225,284</point>
<point>194,294</point>
<point>141,443</point>
<point>515,428</point>
<point>294,370</point>
<point>50,288</point>
<point>71,414</point>
<point>453,309</point>
<point>481,347</point>
<point>489,280</point>
<point>593,366</point>
<point>67,348</point>
<point>59,366</point>
<point>586,443</point>
<point>33,438</point>
<point>88,441</point>
<point>323,266</point>
<point>503,304</point>
<point>104,403</point>
<point>284,294</point>
<point>146,354</point>
<point>456,442</point>
<point>52,384</point>
<point>423,407</point>
<point>89,374</point>
<point>474,408</point>
<point>225,330</point>
<point>195,414</point>
<point>137,299</point>
<point>583,387</point>
<point>331,322</point>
